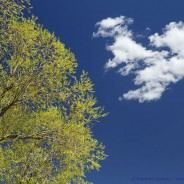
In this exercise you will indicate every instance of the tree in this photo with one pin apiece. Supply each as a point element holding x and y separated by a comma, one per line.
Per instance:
<point>46,113</point>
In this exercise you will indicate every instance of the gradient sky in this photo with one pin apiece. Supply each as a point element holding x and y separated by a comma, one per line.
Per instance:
<point>143,140</point>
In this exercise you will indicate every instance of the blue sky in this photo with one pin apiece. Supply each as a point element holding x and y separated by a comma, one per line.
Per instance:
<point>142,139</point>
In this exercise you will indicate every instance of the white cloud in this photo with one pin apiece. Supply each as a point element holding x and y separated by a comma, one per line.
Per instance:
<point>154,68</point>
<point>111,27</point>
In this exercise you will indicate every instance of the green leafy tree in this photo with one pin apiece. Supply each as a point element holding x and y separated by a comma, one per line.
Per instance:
<point>46,113</point>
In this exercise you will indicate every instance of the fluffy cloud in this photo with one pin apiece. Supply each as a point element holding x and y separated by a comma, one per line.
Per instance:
<point>155,66</point>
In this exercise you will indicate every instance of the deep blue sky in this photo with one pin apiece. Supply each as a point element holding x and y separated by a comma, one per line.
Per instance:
<point>142,139</point>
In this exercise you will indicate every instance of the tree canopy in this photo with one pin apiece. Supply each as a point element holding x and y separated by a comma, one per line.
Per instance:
<point>46,112</point>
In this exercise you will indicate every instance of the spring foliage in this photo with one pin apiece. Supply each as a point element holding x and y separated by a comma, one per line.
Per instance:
<point>46,113</point>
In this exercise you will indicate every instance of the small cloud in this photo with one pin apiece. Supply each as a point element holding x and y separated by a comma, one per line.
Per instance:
<point>110,27</point>
<point>148,29</point>
<point>155,68</point>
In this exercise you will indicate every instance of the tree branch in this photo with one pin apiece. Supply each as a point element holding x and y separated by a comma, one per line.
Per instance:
<point>4,109</point>
<point>6,89</point>
<point>15,136</point>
